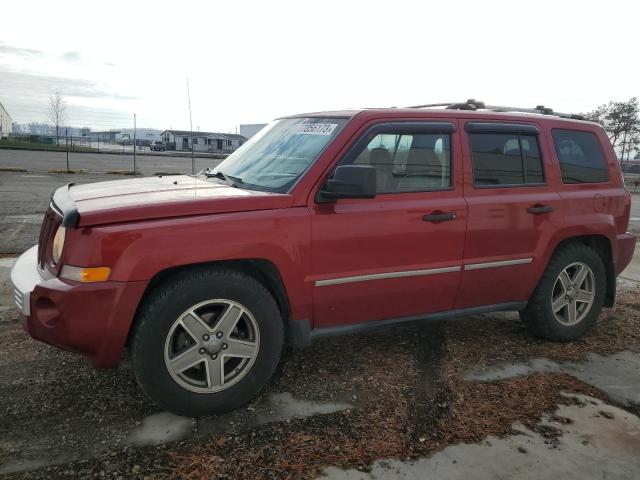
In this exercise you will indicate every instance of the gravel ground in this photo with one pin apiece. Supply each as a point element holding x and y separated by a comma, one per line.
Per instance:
<point>405,386</point>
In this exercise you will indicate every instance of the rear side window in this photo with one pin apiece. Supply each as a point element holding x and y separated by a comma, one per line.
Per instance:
<point>580,155</point>
<point>505,159</point>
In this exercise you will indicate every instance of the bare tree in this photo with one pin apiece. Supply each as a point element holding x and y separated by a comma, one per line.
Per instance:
<point>621,120</point>
<point>57,113</point>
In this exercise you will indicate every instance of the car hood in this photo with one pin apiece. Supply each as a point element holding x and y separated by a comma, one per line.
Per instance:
<point>164,197</point>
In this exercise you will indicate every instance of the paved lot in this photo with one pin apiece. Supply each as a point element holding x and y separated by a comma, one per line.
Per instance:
<point>99,162</point>
<point>634,223</point>
<point>24,197</point>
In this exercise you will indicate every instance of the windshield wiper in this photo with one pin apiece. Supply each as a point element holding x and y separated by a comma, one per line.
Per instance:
<point>235,179</point>
<point>228,178</point>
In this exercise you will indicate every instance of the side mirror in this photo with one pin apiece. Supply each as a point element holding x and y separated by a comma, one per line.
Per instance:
<point>351,181</point>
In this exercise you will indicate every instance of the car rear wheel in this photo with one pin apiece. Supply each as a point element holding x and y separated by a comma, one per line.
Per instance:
<point>206,342</point>
<point>569,296</point>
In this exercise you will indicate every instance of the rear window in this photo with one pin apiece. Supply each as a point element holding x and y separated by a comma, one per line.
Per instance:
<point>581,158</point>
<point>505,159</point>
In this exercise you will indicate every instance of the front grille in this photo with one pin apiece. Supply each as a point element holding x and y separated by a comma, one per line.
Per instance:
<point>50,223</point>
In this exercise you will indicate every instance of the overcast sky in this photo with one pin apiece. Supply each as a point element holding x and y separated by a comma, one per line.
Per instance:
<point>251,61</point>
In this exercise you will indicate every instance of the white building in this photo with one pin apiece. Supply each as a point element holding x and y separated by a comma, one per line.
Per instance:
<point>6,124</point>
<point>202,141</point>
<point>250,129</point>
<point>144,136</point>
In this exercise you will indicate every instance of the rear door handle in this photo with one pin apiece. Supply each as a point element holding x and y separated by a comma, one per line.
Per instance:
<point>439,216</point>
<point>538,209</point>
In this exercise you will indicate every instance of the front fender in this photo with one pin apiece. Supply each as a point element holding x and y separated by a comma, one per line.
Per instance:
<point>138,251</point>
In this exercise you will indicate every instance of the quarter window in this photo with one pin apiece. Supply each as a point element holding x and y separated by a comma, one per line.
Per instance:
<point>505,159</point>
<point>581,158</point>
<point>409,162</point>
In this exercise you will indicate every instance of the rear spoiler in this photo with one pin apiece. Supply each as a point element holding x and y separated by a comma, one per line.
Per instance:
<point>62,202</point>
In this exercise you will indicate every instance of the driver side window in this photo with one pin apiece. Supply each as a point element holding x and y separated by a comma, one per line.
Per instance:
<point>405,162</point>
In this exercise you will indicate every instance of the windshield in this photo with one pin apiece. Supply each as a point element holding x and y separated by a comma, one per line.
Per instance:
<point>279,154</point>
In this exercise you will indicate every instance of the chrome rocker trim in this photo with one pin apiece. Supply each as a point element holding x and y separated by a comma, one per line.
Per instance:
<point>381,276</point>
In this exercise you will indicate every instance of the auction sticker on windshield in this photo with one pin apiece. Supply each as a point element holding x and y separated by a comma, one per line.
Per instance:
<point>316,128</point>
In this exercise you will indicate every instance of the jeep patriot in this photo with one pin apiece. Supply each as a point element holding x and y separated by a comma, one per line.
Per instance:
<point>324,224</point>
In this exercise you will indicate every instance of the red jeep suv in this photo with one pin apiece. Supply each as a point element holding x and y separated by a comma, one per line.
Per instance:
<point>330,223</point>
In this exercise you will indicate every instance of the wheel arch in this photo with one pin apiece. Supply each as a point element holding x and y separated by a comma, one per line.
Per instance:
<point>263,270</point>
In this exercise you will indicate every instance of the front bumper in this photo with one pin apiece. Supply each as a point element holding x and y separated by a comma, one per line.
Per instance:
<point>25,276</point>
<point>92,319</point>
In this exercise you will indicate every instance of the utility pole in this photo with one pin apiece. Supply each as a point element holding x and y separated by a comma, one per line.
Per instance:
<point>66,134</point>
<point>134,144</point>
<point>193,159</point>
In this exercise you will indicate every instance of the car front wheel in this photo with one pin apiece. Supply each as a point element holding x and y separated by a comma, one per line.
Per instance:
<point>206,342</point>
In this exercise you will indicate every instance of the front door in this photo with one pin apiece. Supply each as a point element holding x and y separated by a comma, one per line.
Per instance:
<point>398,254</point>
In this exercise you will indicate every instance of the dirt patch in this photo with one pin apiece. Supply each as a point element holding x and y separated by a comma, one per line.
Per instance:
<point>481,409</point>
<point>461,412</point>
<point>406,387</point>
<point>497,338</point>
<point>443,411</point>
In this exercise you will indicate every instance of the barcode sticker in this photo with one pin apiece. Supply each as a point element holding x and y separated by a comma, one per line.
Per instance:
<point>316,128</point>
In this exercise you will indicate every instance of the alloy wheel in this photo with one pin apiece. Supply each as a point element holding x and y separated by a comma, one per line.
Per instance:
<point>573,294</point>
<point>212,346</point>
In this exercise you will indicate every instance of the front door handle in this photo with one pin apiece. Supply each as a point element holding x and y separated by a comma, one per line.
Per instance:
<point>538,209</point>
<point>439,216</point>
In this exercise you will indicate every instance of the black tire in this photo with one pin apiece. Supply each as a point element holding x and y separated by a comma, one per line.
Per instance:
<point>539,316</point>
<point>166,303</point>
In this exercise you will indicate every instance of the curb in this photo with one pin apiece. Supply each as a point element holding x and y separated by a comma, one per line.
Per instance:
<point>171,153</point>
<point>123,172</point>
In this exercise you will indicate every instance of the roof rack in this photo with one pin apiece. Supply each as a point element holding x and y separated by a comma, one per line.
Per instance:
<point>472,104</point>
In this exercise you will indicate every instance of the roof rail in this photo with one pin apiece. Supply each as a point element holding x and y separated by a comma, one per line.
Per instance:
<point>472,104</point>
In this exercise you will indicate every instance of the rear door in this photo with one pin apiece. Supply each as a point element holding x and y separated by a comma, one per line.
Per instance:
<point>513,211</point>
<point>398,254</point>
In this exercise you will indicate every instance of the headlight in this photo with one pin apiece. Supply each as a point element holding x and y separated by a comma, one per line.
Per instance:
<point>58,244</point>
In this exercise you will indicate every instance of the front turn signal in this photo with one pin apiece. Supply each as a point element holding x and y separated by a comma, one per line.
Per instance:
<point>85,275</point>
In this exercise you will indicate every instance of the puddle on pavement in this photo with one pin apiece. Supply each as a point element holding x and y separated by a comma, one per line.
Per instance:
<point>600,441</point>
<point>277,407</point>
<point>617,375</point>
<point>283,406</point>
<point>160,428</point>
